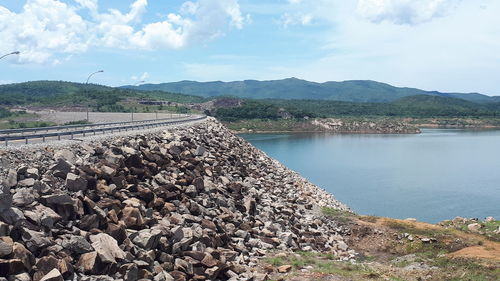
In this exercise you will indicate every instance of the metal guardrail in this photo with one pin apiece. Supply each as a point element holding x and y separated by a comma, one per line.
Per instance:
<point>52,128</point>
<point>6,139</point>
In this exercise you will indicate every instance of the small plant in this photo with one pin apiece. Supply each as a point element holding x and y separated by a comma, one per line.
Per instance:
<point>78,122</point>
<point>275,261</point>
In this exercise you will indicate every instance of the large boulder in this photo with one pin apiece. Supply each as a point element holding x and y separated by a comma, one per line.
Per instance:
<point>147,238</point>
<point>107,248</point>
<point>77,244</point>
<point>53,275</point>
<point>23,197</point>
<point>75,183</point>
<point>10,267</point>
<point>35,240</point>
<point>5,198</point>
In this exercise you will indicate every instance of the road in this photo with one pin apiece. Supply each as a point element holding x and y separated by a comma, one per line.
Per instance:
<point>36,135</point>
<point>98,117</point>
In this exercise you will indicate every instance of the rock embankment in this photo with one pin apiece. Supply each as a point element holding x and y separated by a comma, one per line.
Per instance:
<point>189,203</point>
<point>364,126</point>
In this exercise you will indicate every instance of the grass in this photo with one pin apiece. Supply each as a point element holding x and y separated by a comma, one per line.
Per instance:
<point>324,263</point>
<point>78,122</point>
<point>338,215</point>
<point>431,259</point>
<point>488,229</point>
<point>11,124</point>
<point>371,219</point>
<point>466,269</point>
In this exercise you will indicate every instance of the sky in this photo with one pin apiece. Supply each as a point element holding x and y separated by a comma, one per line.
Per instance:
<point>444,45</point>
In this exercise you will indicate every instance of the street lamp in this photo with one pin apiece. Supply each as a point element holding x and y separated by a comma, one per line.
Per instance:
<point>100,71</point>
<point>86,83</point>
<point>13,53</point>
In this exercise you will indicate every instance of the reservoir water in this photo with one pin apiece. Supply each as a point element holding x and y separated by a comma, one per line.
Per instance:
<point>433,176</point>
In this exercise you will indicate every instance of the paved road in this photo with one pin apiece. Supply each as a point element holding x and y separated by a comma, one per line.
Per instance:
<point>99,117</point>
<point>18,137</point>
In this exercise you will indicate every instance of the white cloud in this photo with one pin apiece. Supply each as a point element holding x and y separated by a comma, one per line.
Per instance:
<point>4,82</point>
<point>41,28</point>
<point>455,50</point>
<point>47,27</point>
<point>405,11</point>
<point>142,78</point>
<point>88,4</point>
<point>297,19</point>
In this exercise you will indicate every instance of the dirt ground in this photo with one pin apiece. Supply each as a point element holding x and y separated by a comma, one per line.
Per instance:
<point>98,117</point>
<point>391,249</point>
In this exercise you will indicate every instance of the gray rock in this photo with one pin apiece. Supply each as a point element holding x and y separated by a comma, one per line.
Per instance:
<point>20,277</point>
<point>5,198</point>
<point>147,238</point>
<point>475,227</point>
<point>35,240</point>
<point>6,247</point>
<point>4,229</point>
<point>163,276</point>
<point>61,168</point>
<point>11,179</point>
<point>75,183</point>
<point>200,151</point>
<point>26,257</point>
<point>23,196</point>
<point>27,182</point>
<point>53,275</point>
<point>77,244</point>
<point>341,245</point>
<point>12,215</point>
<point>42,215</point>
<point>107,248</point>
<point>66,155</point>
<point>32,173</point>
<point>98,278</point>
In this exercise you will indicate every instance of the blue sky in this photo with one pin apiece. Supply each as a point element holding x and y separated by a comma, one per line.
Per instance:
<point>446,45</point>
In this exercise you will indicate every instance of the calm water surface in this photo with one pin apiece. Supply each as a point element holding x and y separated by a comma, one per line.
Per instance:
<point>433,176</point>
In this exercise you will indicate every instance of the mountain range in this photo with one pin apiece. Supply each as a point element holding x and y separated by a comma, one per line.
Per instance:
<point>293,88</point>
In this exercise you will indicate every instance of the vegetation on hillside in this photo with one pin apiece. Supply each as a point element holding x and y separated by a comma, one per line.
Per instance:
<point>99,98</point>
<point>4,113</point>
<point>415,106</point>
<point>293,88</point>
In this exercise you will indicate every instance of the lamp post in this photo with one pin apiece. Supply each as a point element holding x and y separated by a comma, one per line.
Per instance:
<point>135,85</point>
<point>13,53</point>
<point>86,83</point>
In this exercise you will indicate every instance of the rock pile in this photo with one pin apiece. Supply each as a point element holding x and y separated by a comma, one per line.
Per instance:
<point>189,203</point>
<point>365,126</point>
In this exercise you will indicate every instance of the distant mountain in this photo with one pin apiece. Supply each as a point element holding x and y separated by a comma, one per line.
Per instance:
<point>74,94</point>
<point>293,88</point>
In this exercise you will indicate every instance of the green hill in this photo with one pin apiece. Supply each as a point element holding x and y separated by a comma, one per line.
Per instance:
<point>421,106</point>
<point>293,88</point>
<point>59,93</point>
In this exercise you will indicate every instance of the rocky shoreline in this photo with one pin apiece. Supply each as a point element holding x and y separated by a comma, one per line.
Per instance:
<point>188,203</point>
<point>330,125</point>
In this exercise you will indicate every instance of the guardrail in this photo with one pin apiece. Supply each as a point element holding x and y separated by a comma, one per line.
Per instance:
<point>93,131</point>
<point>52,128</point>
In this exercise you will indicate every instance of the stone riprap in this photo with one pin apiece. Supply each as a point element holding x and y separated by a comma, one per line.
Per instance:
<point>188,203</point>
<point>365,126</point>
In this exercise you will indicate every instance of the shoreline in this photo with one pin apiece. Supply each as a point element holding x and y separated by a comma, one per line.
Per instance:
<point>483,128</point>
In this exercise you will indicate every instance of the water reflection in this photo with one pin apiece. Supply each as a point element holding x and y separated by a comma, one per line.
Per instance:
<point>436,175</point>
